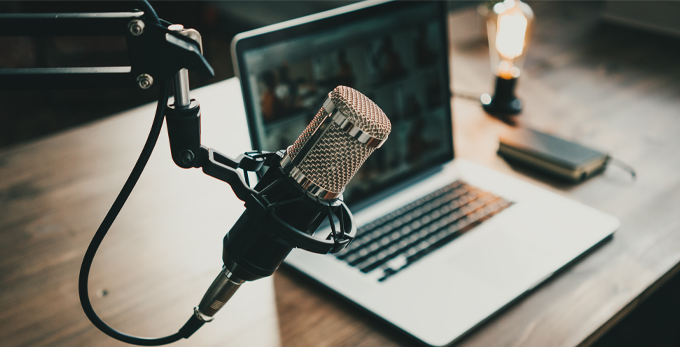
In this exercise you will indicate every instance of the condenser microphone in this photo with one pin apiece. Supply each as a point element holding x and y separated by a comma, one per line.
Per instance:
<point>298,193</point>
<point>345,131</point>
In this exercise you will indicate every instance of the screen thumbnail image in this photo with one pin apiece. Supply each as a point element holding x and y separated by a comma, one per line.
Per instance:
<point>286,90</point>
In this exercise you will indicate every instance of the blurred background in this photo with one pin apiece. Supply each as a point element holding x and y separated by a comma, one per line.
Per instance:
<point>28,115</point>
<point>31,114</point>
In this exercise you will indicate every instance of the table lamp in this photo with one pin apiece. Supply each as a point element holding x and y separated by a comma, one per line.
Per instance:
<point>509,25</point>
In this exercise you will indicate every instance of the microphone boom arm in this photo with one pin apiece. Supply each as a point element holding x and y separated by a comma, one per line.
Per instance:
<point>156,53</point>
<point>159,52</point>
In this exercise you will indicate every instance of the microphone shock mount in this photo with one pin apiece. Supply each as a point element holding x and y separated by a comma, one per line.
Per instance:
<point>279,214</point>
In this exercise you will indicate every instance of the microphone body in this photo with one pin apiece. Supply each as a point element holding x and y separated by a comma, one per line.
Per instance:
<point>299,192</point>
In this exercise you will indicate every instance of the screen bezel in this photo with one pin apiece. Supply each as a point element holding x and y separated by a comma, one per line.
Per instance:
<point>345,15</point>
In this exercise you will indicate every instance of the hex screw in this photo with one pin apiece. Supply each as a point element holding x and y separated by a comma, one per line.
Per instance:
<point>186,156</point>
<point>136,27</point>
<point>145,81</point>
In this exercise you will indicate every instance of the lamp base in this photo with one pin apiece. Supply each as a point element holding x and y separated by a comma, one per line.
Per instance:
<point>497,107</point>
<point>504,102</point>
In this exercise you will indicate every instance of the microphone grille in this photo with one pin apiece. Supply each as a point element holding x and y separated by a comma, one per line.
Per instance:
<point>363,112</point>
<point>337,156</point>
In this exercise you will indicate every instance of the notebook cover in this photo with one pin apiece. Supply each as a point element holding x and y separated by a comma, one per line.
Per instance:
<point>554,150</point>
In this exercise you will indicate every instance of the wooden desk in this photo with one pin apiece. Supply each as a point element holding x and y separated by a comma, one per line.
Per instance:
<point>609,88</point>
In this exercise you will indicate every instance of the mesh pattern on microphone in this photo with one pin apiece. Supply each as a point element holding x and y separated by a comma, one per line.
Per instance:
<point>334,160</point>
<point>361,111</point>
<point>307,133</point>
<point>337,156</point>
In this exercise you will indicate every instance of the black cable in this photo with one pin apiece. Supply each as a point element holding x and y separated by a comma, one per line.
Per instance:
<point>622,165</point>
<point>149,11</point>
<point>108,221</point>
<point>466,95</point>
<point>193,323</point>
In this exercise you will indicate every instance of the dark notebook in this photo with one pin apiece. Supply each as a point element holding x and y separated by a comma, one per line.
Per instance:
<point>548,153</point>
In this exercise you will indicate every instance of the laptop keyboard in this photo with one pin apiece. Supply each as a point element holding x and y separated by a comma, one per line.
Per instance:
<point>393,242</point>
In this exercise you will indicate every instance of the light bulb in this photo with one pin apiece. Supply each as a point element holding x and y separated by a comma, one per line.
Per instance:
<point>512,27</point>
<point>509,25</point>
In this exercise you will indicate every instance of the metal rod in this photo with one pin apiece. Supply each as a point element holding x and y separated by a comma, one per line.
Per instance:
<point>66,78</point>
<point>181,79</point>
<point>181,83</point>
<point>60,24</point>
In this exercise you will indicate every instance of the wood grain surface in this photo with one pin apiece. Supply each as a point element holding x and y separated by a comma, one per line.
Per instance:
<point>607,87</point>
<point>159,257</point>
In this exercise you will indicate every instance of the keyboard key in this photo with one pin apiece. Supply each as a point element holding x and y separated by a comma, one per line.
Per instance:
<point>397,263</point>
<point>388,244</point>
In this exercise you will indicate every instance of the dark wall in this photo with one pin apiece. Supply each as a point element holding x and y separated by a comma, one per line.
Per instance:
<point>29,114</point>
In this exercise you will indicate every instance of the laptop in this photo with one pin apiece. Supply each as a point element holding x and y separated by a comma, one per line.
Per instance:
<point>442,243</point>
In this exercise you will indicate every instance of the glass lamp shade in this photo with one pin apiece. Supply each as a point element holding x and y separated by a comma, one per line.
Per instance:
<point>509,24</point>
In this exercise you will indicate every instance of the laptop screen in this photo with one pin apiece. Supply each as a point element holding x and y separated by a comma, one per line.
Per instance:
<point>394,53</point>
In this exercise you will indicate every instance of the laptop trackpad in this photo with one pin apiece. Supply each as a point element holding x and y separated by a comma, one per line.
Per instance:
<point>502,260</point>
